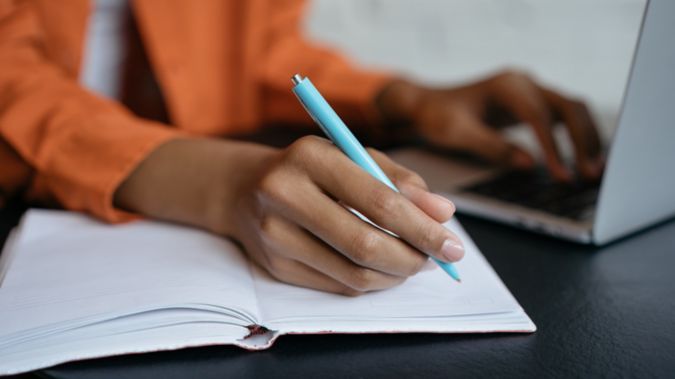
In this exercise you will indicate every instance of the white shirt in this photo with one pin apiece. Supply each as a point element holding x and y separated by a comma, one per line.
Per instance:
<point>104,53</point>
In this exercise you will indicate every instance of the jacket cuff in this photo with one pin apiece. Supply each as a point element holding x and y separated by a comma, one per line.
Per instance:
<point>90,166</point>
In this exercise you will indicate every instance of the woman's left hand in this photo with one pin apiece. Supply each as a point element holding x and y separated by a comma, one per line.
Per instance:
<point>467,118</point>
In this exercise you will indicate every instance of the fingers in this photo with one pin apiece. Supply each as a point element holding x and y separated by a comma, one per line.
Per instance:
<point>397,173</point>
<point>360,242</point>
<point>301,201</point>
<point>299,274</point>
<point>436,206</point>
<point>459,125</point>
<point>303,235</point>
<point>318,263</point>
<point>535,105</point>
<point>582,130</point>
<point>386,208</point>
<point>520,95</point>
<point>317,176</point>
<point>413,187</point>
<point>487,143</point>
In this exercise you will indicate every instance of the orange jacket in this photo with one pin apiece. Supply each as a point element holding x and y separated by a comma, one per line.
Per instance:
<point>223,67</point>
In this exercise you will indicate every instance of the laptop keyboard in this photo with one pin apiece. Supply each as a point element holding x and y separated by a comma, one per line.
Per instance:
<point>536,190</point>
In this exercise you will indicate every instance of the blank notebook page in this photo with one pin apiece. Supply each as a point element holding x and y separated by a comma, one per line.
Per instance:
<point>427,296</point>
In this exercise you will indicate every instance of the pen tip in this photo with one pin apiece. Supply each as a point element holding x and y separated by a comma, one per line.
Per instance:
<point>296,79</point>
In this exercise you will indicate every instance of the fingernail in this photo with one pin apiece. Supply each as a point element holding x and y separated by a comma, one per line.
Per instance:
<point>452,250</point>
<point>562,174</point>
<point>521,160</point>
<point>591,171</point>
<point>446,201</point>
<point>587,171</point>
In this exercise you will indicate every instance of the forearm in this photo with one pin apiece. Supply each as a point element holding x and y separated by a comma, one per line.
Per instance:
<point>192,181</point>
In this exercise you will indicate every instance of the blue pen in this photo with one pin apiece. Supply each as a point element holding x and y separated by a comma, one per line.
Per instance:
<point>331,124</point>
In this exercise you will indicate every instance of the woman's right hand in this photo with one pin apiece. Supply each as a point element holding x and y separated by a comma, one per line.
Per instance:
<point>293,223</point>
<point>286,208</point>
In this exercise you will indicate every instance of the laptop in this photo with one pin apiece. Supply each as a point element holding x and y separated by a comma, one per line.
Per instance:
<point>638,186</point>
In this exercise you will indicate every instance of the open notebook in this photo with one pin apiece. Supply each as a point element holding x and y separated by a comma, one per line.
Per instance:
<point>73,288</point>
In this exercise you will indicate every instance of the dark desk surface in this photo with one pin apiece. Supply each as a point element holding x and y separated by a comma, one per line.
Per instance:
<point>606,312</point>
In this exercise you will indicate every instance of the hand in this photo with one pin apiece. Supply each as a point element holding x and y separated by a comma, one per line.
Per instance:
<point>284,206</point>
<point>465,118</point>
<point>294,225</point>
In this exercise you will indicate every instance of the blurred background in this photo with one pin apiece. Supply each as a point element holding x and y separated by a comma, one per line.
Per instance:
<point>581,47</point>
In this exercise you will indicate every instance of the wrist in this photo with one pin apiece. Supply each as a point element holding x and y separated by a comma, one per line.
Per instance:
<point>239,167</point>
<point>399,100</point>
<point>192,181</point>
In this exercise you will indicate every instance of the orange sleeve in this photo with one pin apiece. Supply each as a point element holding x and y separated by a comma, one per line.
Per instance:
<point>80,146</point>
<point>350,91</point>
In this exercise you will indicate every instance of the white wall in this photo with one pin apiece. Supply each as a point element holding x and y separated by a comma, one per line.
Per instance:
<point>581,46</point>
